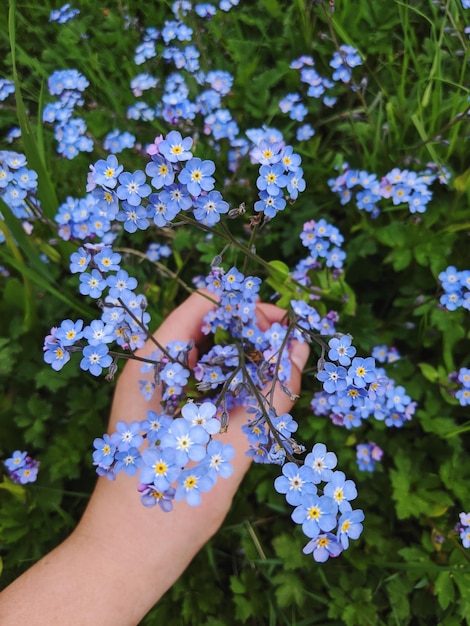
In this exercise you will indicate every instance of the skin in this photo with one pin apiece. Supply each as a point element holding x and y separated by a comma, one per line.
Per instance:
<point>122,557</point>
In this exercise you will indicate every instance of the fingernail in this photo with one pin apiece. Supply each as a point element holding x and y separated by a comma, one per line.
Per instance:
<point>299,354</point>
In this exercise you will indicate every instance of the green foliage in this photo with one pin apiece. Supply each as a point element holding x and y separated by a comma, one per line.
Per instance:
<point>410,106</point>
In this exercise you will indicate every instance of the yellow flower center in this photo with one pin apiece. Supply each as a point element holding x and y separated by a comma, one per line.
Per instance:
<point>160,468</point>
<point>313,512</point>
<point>345,526</point>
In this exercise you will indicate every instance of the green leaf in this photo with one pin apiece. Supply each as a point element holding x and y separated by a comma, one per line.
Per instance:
<point>287,548</point>
<point>444,589</point>
<point>345,294</point>
<point>462,182</point>
<point>429,372</point>
<point>24,242</point>
<point>401,258</point>
<point>16,490</point>
<point>425,138</point>
<point>47,378</point>
<point>415,555</point>
<point>273,7</point>
<point>237,585</point>
<point>221,336</point>
<point>397,592</point>
<point>289,589</point>
<point>14,255</point>
<point>8,353</point>
<point>280,271</point>
<point>37,277</point>
<point>279,279</point>
<point>392,235</point>
<point>361,610</point>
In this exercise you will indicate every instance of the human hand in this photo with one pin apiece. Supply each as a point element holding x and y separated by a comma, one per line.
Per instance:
<point>122,556</point>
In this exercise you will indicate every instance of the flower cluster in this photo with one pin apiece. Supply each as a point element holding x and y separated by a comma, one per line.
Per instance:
<point>401,186</point>
<point>64,14</point>
<point>69,131</point>
<point>355,389</point>
<point>183,7</point>
<point>270,436</point>
<point>456,285</point>
<point>385,354</point>
<point>117,141</point>
<point>280,176</point>
<point>463,528</point>
<point>182,459</point>
<point>319,87</point>
<point>234,371</point>
<point>18,185</point>
<point>21,468</point>
<point>323,241</point>
<point>175,103</point>
<point>86,218</point>
<point>321,508</point>
<point>13,134</point>
<point>181,182</point>
<point>309,321</point>
<point>123,318</point>
<point>343,61</point>
<point>243,360</point>
<point>463,379</point>
<point>367,455</point>
<point>178,182</point>
<point>157,251</point>
<point>7,87</point>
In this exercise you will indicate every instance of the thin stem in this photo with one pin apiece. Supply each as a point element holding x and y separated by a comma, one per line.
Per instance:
<point>286,338</point>
<point>250,246</point>
<point>261,403</point>
<point>162,268</point>
<point>148,334</point>
<point>224,233</point>
<point>118,355</point>
<point>358,92</point>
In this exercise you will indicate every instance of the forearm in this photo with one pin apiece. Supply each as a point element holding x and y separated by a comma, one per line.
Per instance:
<point>106,575</point>
<point>80,583</point>
<point>121,558</point>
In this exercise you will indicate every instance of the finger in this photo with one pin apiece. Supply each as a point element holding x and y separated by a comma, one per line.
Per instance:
<point>282,403</point>
<point>298,354</point>
<point>183,324</point>
<point>268,314</point>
